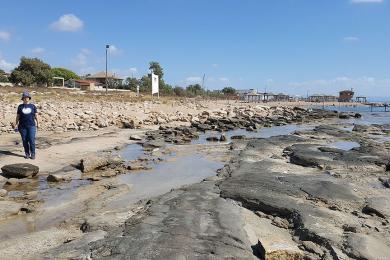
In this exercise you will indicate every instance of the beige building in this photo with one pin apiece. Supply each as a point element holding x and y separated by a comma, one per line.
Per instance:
<point>100,79</point>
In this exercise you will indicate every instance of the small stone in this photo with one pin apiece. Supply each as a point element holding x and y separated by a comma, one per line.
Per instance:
<point>135,138</point>
<point>222,138</point>
<point>3,192</point>
<point>212,139</point>
<point>238,137</point>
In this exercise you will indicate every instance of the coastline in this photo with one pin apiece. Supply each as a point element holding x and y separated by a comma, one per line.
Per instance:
<point>104,190</point>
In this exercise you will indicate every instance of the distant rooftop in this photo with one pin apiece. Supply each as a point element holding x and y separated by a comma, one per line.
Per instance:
<point>102,75</point>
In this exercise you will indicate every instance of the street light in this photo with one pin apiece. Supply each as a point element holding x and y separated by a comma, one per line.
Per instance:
<point>107,47</point>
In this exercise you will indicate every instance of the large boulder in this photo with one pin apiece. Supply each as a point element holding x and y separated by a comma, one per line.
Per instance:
<point>19,170</point>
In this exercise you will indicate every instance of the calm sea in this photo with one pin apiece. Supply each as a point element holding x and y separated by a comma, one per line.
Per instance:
<point>377,116</point>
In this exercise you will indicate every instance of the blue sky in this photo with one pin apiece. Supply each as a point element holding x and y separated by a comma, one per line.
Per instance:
<point>294,46</point>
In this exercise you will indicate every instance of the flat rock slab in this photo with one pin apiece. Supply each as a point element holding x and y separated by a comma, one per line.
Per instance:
<point>194,223</point>
<point>363,246</point>
<point>379,206</point>
<point>19,170</point>
<point>9,208</point>
<point>328,190</point>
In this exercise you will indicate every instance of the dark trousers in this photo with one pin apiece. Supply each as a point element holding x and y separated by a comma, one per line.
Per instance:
<point>28,138</point>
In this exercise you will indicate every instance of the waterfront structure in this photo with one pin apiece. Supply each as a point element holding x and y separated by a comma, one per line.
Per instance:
<point>346,95</point>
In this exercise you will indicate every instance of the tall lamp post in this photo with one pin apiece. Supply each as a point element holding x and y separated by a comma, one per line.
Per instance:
<point>107,47</point>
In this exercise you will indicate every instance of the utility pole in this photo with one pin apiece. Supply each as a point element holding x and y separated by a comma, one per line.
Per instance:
<point>107,47</point>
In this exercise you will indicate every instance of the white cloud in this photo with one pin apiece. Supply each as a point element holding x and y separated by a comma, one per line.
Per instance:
<point>5,65</point>
<point>223,79</point>
<point>215,65</point>
<point>68,23</point>
<point>5,36</point>
<point>113,50</point>
<point>194,79</point>
<point>38,51</point>
<point>367,1</point>
<point>351,39</point>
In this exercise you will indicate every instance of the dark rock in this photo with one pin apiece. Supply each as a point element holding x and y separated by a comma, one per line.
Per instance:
<point>222,138</point>
<point>128,124</point>
<point>327,190</point>
<point>238,137</point>
<point>173,228</point>
<point>212,139</point>
<point>357,115</point>
<point>344,116</point>
<point>385,181</point>
<point>19,170</point>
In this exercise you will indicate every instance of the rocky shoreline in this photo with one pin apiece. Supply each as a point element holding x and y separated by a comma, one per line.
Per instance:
<point>65,116</point>
<point>285,197</point>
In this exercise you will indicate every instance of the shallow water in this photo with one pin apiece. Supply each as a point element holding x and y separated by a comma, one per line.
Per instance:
<point>176,172</point>
<point>132,152</point>
<point>378,116</point>
<point>264,132</point>
<point>344,145</point>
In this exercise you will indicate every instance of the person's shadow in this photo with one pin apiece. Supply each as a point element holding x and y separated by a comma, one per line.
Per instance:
<point>10,153</point>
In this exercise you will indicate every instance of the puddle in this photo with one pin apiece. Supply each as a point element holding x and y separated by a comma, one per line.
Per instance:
<point>344,145</point>
<point>132,152</point>
<point>183,170</point>
<point>265,132</point>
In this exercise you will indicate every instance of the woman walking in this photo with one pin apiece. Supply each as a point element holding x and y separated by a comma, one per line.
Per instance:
<point>27,124</point>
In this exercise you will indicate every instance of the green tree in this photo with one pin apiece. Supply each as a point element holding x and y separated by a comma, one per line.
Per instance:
<point>229,91</point>
<point>145,84</point>
<point>156,69</point>
<point>3,77</point>
<point>179,91</point>
<point>131,83</point>
<point>64,73</point>
<point>194,89</point>
<point>166,89</point>
<point>32,71</point>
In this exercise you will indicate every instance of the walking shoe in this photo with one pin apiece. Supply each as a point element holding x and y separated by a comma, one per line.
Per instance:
<point>26,156</point>
<point>32,157</point>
